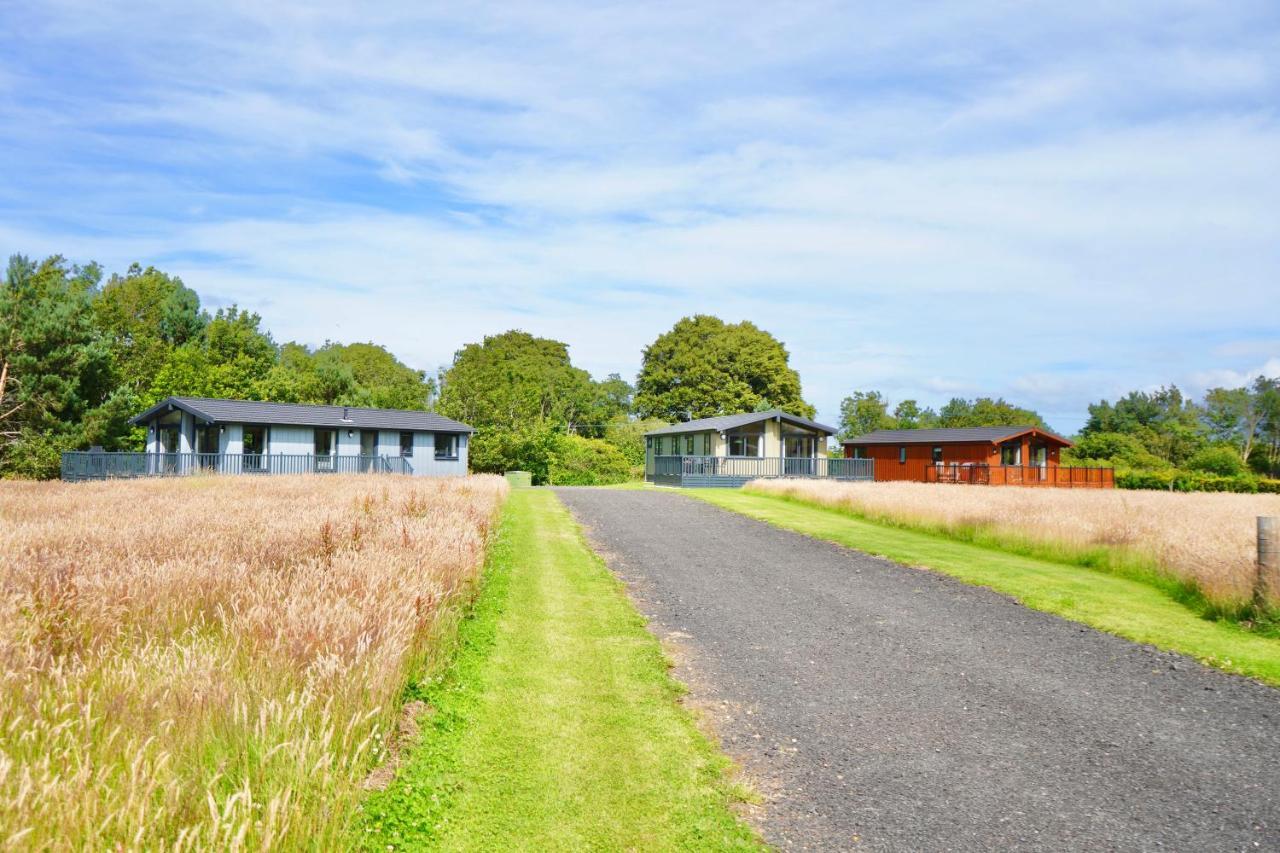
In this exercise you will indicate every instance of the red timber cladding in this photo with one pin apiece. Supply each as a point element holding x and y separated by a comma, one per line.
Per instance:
<point>920,456</point>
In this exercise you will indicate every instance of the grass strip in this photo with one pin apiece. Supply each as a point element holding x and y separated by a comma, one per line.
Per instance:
<point>558,727</point>
<point>1124,606</point>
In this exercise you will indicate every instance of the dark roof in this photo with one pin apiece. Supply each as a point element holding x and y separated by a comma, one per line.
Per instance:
<point>725,422</point>
<point>213,411</point>
<point>994,435</point>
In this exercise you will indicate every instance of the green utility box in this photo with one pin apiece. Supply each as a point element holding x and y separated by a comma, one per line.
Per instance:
<point>519,479</point>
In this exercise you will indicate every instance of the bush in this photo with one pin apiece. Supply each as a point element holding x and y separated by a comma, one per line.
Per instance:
<point>1175,480</point>
<point>495,451</point>
<point>578,461</point>
<point>1223,461</point>
<point>1268,485</point>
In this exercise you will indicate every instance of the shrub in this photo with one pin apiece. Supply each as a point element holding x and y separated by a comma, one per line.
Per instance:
<point>1223,461</point>
<point>578,461</point>
<point>1175,480</point>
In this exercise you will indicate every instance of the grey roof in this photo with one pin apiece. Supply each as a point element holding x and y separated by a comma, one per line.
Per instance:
<point>951,435</point>
<point>724,422</point>
<point>207,410</point>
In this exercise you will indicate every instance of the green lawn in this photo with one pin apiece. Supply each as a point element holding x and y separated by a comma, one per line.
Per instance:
<point>1122,606</point>
<point>559,727</point>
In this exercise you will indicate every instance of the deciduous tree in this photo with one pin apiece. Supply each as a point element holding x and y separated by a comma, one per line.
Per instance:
<point>705,367</point>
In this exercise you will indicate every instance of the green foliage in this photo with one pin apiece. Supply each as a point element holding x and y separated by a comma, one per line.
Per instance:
<point>56,367</point>
<point>231,359</point>
<point>1177,480</point>
<point>985,411</point>
<point>909,415</point>
<point>628,436</point>
<point>143,316</point>
<point>1167,424</point>
<point>515,382</point>
<point>347,375</point>
<point>381,380</point>
<point>867,411</point>
<point>705,367</point>
<point>1224,461</point>
<point>863,412</point>
<point>578,461</point>
<point>498,450</point>
<point>1112,448</point>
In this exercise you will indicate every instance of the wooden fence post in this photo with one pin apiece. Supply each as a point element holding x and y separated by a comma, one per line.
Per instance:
<point>1268,580</point>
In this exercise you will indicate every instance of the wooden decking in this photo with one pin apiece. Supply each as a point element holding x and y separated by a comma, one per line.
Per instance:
<point>1053,476</point>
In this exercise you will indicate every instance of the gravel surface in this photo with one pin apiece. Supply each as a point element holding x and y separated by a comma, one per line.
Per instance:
<point>890,708</point>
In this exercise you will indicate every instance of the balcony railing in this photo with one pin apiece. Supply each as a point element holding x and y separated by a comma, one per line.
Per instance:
<point>979,473</point>
<point>103,465</point>
<point>706,470</point>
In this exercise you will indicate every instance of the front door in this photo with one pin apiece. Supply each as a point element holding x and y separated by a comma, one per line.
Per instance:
<point>368,448</point>
<point>1040,459</point>
<point>255,445</point>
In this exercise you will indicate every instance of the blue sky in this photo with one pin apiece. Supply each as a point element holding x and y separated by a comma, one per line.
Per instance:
<point>1053,202</point>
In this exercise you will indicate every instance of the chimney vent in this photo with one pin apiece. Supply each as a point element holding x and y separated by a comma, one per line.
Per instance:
<point>346,413</point>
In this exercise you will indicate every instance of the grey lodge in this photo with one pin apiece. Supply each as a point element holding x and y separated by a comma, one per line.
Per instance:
<point>192,434</point>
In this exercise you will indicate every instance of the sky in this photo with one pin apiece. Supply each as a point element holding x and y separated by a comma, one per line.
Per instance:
<point>1053,202</point>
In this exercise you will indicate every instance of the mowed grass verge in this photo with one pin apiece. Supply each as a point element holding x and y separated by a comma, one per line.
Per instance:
<point>1122,606</point>
<point>558,727</point>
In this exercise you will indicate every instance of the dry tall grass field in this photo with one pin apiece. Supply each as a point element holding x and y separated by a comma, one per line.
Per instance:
<point>1205,540</point>
<point>213,662</point>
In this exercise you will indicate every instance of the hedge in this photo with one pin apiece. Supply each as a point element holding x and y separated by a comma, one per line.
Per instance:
<point>1173,480</point>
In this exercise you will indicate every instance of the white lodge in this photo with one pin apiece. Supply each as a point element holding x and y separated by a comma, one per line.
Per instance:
<point>191,434</point>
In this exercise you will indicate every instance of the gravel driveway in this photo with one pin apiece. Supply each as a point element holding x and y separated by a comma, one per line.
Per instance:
<point>890,708</point>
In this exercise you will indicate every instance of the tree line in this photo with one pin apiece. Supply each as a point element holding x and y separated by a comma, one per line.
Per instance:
<point>80,355</point>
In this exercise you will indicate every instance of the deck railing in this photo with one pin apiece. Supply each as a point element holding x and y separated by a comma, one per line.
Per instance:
<point>667,468</point>
<point>103,465</point>
<point>979,473</point>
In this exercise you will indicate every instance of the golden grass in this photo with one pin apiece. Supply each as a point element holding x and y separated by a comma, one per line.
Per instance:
<point>1204,540</point>
<point>214,662</point>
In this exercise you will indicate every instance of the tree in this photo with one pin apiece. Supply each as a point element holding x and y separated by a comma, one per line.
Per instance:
<point>1268,391</point>
<point>348,375</point>
<point>1167,424</point>
<point>909,415</point>
<point>382,380</point>
<point>863,412</point>
<point>515,381</point>
<point>985,411</point>
<point>704,367</point>
<point>1235,415</point>
<point>231,359</point>
<point>144,315</point>
<point>55,369</point>
<point>1222,460</point>
<point>628,436</point>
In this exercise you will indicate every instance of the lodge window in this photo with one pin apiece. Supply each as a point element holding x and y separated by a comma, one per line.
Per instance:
<point>902,456</point>
<point>446,445</point>
<point>799,446</point>
<point>688,445</point>
<point>406,444</point>
<point>1011,454</point>
<point>326,442</point>
<point>937,455</point>
<point>744,445</point>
